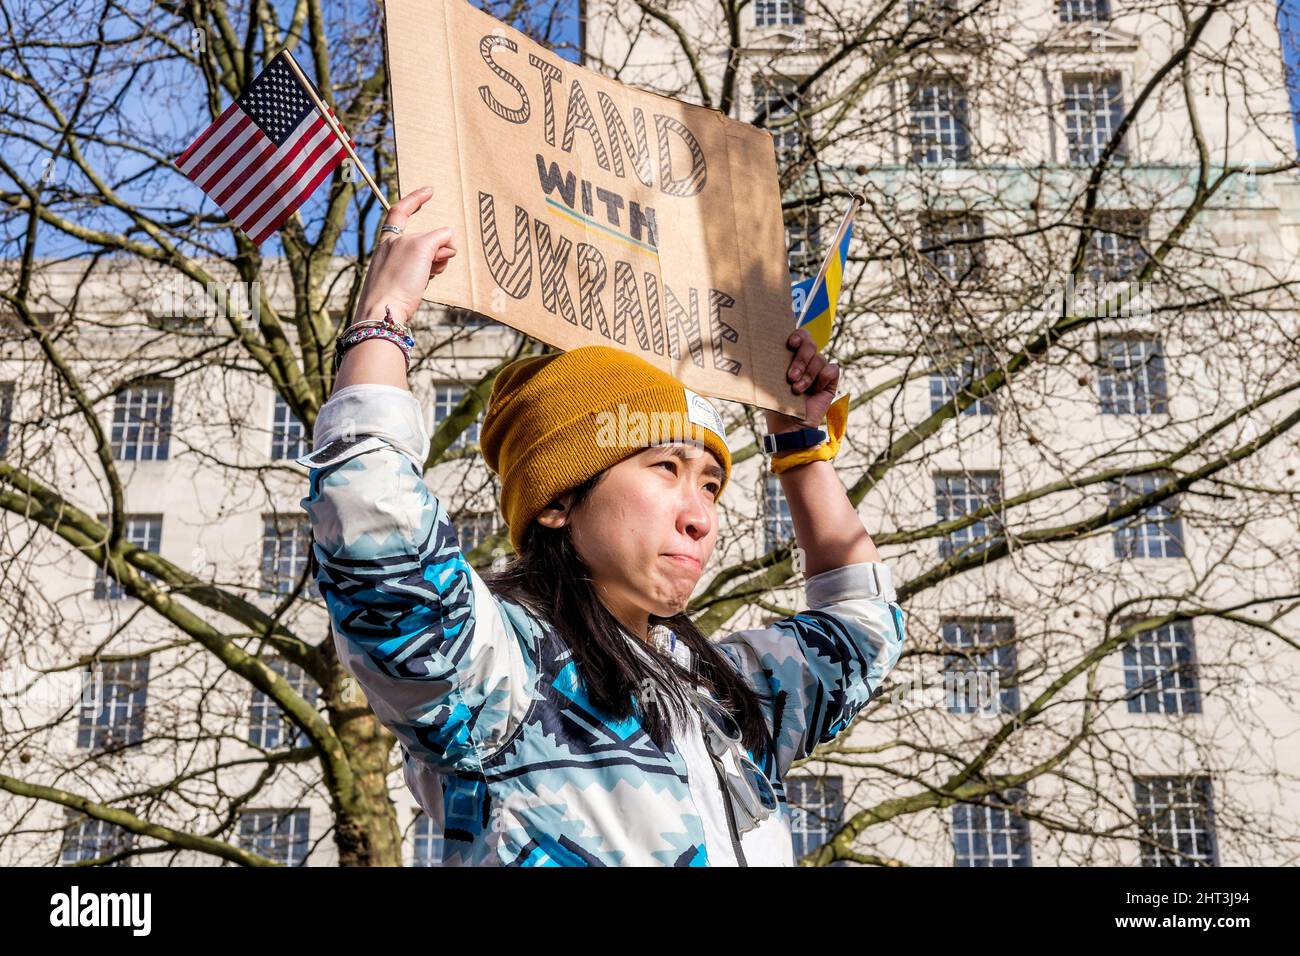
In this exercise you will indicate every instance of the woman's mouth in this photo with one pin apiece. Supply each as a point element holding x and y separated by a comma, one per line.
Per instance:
<point>685,560</point>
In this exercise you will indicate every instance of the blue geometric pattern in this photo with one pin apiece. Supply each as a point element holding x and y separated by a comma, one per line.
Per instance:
<point>485,699</point>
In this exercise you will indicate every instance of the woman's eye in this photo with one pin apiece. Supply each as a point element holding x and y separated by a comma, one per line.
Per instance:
<point>714,487</point>
<point>670,463</point>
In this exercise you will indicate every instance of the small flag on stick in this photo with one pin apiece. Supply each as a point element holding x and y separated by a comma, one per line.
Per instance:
<point>815,299</point>
<point>269,150</point>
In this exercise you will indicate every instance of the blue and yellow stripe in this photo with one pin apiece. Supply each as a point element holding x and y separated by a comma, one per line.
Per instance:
<point>820,316</point>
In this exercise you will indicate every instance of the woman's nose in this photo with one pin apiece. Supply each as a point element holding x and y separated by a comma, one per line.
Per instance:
<point>694,516</point>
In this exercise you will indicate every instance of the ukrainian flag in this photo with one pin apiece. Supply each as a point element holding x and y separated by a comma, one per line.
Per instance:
<point>819,316</point>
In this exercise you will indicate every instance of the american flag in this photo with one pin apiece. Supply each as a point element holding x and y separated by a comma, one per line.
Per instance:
<point>262,157</point>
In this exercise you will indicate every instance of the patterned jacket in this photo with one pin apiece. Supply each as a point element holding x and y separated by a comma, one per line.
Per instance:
<point>501,746</point>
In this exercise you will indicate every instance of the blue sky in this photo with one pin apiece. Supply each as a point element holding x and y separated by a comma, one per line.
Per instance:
<point>1289,27</point>
<point>170,115</point>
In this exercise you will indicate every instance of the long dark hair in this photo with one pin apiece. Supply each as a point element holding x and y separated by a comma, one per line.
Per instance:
<point>551,580</point>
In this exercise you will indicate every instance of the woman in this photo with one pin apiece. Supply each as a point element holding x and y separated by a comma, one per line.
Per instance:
<point>565,710</point>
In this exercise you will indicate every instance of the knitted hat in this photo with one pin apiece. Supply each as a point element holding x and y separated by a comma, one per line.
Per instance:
<point>555,420</point>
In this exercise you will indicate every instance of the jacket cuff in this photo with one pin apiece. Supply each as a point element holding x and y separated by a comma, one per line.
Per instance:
<point>870,579</point>
<point>384,411</point>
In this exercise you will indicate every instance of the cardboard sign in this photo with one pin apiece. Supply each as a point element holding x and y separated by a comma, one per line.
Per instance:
<point>590,212</point>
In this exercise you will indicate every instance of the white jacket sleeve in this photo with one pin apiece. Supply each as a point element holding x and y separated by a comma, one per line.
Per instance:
<point>819,667</point>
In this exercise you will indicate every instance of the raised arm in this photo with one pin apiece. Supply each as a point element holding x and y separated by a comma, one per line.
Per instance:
<point>413,622</point>
<point>820,666</point>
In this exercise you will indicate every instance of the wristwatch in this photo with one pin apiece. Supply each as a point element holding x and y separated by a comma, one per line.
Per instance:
<point>776,442</point>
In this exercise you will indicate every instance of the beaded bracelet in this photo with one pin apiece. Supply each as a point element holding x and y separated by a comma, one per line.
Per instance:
<point>387,329</point>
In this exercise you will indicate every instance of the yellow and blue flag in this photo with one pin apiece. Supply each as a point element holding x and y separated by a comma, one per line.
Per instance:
<point>819,314</point>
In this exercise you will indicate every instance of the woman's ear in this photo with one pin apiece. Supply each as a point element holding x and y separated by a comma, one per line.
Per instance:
<point>556,512</point>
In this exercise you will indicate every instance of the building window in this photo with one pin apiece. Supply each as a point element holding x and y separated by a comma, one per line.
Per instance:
<point>940,131</point>
<point>1154,532</point>
<point>473,529</point>
<point>85,839</point>
<point>776,13</point>
<point>959,495</point>
<point>428,841</point>
<point>268,725</point>
<point>1077,11</point>
<point>1175,821</point>
<point>279,835</point>
<point>816,809</point>
<point>803,244</point>
<point>1116,249</point>
<point>1131,379</point>
<point>113,697</point>
<point>142,422</point>
<point>779,96</point>
<point>956,368</point>
<point>980,676</point>
<point>143,531</point>
<point>1094,108</point>
<point>6,415</point>
<point>286,551</point>
<point>778,526</point>
<point>1160,671</point>
<point>954,245</point>
<point>445,400</point>
<point>288,436</point>
<point>991,833</point>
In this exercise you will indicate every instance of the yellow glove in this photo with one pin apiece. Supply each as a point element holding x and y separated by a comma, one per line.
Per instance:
<point>837,420</point>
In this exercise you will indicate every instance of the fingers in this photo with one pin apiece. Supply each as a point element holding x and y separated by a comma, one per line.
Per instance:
<point>439,247</point>
<point>827,379</point>
<point>811,372</point>
<point>807,362</point>
<point>406,207</point>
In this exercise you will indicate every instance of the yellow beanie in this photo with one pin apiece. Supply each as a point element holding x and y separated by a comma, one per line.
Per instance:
<point>555,420</point>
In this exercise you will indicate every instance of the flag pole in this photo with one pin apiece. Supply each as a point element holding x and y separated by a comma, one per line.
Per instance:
<point>833,250</point>
<point>334,125</point>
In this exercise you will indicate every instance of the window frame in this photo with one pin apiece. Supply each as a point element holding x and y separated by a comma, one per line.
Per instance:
<point>160,444</point>
<point>920,146</point>
<point>1001,657</point>
<point>1075,155</point>
<point>994,525</point>
<point>1200,788</point>
<point>1147,682</point>
<point>997,808</point>
<point>1130,535</point>
<point>1152,398</point>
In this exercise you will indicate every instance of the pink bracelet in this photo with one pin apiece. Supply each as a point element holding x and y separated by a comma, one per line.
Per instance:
<point>388,330</point>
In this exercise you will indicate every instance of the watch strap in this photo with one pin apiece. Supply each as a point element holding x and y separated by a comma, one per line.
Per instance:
<point>837,417</point>
<point>775,442</point>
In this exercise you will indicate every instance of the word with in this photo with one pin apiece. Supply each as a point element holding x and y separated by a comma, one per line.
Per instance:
<point>640,221</point>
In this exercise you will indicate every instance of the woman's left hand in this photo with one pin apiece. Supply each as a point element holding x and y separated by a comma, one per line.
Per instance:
<point>809,374</point>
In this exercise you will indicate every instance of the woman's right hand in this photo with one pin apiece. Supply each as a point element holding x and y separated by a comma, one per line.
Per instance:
<point>402,266</point>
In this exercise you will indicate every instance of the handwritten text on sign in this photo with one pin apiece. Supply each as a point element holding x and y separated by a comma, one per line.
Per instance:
<point>595,213</point>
